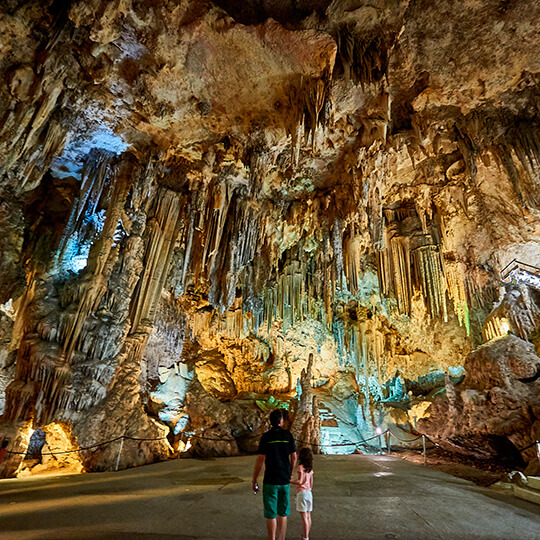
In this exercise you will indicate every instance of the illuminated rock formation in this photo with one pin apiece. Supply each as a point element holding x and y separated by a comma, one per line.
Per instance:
<point>196,196</point>
<point>494,412</point>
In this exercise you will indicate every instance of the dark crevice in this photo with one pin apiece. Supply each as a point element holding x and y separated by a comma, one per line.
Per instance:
<point>402,108</point>
<point>535,377</point>
<point>287,12</point>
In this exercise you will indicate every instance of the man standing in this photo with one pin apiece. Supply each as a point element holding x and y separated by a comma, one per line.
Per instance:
<point>278,454</point>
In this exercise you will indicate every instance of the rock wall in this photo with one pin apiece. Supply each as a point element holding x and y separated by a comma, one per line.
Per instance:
<point>196,196</point>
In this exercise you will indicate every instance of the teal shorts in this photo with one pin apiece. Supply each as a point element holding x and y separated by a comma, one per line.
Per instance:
<point>276,501</point>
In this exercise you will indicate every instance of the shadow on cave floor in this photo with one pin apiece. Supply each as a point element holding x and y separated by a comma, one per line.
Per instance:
<point>356,497</point>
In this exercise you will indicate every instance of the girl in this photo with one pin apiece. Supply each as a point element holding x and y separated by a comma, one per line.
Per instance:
<point>304,485</point>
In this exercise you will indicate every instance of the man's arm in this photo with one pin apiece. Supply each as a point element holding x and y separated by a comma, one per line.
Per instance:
<point>258,466</point>
<point>293,462</point>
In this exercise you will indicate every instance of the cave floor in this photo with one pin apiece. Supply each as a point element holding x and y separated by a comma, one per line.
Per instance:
<point>355,497</point>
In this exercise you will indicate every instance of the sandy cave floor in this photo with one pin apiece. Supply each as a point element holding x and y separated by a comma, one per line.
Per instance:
<point>356,497</point>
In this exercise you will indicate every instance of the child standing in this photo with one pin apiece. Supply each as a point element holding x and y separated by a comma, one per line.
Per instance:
<point>304,485</point>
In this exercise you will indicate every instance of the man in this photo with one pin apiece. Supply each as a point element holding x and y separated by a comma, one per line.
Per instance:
<point>278,454</point>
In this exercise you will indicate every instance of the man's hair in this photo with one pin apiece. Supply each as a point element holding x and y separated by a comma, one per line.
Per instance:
<point>275,417</point>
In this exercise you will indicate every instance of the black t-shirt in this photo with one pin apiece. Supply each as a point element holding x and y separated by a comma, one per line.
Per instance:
<point>277,444</point>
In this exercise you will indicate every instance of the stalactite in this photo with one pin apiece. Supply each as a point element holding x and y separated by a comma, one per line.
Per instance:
<point>220,200</point>
<point>401,266</point>
<point>100,263</point>
<point>54,141</point>
<point>455,280</point>
<point>394,265</point>
<point>520,150</point>
<point>310,103</point>
<point>163,229</point>
<point>337,244</point>
<point>64,353</point>
<point>364,357</point>
<point>31,136</point>
<point>236,235</point>
<point>298,293</point>
<point>353,251</point>
<point>316,104</point>
<point>338,331</point>
<point>200,321</point>
<point>94,186</point>
<point>429,267</point>
<point>362,58</point>
<point>234,324</point>
<point>512,140</point>
<point>259,166</point>
<point>414,261</point>
<point>20,398</point>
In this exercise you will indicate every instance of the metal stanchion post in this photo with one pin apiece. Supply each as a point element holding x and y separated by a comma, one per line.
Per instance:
<point>424,446</point>
<point>119,453</point>
<point>380,444</point>
<point>388,447</point>
<point>538,450</point>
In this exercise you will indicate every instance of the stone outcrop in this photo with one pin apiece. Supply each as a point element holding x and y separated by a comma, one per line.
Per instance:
<point>494,412</point>
<point>195,196</point>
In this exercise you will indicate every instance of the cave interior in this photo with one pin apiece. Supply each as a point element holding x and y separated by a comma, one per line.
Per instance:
<point>196,196</point>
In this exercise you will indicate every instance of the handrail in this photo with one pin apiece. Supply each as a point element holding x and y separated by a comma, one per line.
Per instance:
<point>517,264</point>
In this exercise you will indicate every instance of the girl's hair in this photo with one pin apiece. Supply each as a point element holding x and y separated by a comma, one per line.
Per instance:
<point>305,457</point>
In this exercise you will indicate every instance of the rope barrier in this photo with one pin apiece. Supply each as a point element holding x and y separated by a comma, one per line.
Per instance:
<point>403,440</point>
<point>529,446</point>
<point>86,447</point>
<point>341,444</point>
<point>202,437</point>
<point>139,439</point>
<point>435,445</point>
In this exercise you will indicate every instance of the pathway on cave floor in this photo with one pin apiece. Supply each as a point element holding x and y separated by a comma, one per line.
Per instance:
<point>356,497</point>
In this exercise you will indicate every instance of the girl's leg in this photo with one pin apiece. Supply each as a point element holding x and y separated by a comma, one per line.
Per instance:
<point>306,523</point>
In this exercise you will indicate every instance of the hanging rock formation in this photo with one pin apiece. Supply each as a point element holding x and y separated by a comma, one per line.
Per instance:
<point>195,196</point>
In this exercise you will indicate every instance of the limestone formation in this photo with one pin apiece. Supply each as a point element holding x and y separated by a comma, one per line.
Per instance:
<point>494,412</point>
<point>197,195</point>
<point>306,426</point>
